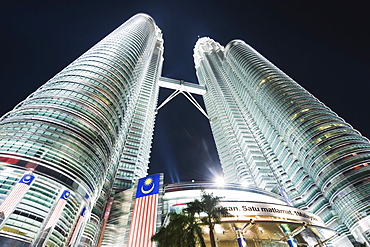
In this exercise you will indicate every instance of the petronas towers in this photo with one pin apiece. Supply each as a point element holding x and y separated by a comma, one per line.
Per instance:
<point>86,134</point>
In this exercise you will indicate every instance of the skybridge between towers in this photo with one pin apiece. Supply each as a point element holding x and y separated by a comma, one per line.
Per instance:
<point>185,88</point>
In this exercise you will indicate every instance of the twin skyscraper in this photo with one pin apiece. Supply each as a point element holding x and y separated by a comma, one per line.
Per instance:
<point>86,134</point>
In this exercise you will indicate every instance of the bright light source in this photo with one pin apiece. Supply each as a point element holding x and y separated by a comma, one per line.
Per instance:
<point>220,181</point>
<point>192,181</point>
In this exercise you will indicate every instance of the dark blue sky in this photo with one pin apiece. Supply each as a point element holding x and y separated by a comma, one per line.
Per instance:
<point>323,45</point>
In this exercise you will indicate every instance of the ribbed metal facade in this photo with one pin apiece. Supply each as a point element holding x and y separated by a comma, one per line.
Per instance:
<point>270,130</point>
<point>233,127</point>
<point>77,129</point>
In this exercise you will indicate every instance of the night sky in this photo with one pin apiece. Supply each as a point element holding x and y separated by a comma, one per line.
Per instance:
<point>323,45</point>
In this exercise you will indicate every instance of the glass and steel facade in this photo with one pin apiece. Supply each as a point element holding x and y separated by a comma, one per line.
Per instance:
<point>86,134</point>
<point>270,131</point>
<point>75,132</point>
<point>136,152</point>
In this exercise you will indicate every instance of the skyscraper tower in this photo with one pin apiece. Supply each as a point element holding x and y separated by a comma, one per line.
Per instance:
<point>87,132</point>
<point>271,132</point>
<point>61,147</point>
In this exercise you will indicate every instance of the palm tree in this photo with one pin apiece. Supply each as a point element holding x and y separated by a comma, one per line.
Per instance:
<point>182,230</point>
<point>208,205</point>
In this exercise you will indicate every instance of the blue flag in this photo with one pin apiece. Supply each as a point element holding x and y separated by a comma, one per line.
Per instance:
<point>27,179</point>
<point>65,195</point>
<point>148,186</point>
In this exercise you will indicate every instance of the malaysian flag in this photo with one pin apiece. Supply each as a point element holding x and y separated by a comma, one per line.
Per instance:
<point>77,227</point>
<point>42,239</point>
<point>15,196</point>
<point>58,210</point>
<point>144,214</point>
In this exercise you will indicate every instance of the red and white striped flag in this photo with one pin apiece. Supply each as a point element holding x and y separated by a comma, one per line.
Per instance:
<point>77,227</point>
<point>15,196</point>
<point>58,210</point>
<point>43,237</point>
<point>144,215</point>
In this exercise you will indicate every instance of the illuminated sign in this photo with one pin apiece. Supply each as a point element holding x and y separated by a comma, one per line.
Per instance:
<point>250,209</point>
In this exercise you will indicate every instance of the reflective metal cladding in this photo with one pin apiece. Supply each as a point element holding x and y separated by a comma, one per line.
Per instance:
<point>87,132</point>
<point>74,132</point>
<point>271,132</point>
